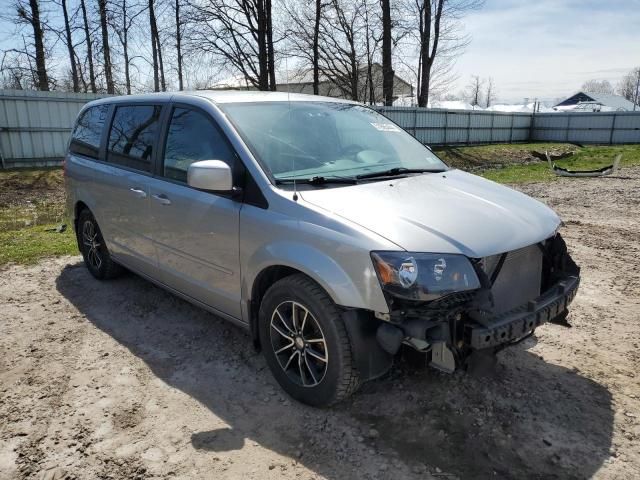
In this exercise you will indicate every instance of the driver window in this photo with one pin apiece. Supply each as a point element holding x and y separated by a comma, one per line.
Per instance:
<point>192,137</point>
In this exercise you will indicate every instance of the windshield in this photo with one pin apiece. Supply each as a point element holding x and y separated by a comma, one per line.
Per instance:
<point>303,140</point>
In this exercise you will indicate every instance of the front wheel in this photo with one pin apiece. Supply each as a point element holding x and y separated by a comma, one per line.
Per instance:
<point>305,342</point>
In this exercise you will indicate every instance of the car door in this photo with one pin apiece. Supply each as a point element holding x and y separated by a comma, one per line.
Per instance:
<point>130,153</point>
<point>196,233</point>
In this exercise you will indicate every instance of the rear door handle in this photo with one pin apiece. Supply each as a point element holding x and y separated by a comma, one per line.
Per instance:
<point>138,192</point>
<point>162,198</point>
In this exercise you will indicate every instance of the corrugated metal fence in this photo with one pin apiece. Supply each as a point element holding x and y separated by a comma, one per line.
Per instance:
<point>460,127</point>
<point>35,126</point>
<point>465,127</point>
<point>601,127</point>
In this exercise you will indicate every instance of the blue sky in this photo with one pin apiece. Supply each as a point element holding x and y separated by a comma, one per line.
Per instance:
<point>548,48</point>
<point>534,48</point>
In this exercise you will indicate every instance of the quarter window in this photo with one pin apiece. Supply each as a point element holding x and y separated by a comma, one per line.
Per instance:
<point>192,137</point>
<point>85,139</point>
<point>132,137</point>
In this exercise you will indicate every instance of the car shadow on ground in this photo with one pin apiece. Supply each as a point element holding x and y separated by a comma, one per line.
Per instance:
<point>524,418</point>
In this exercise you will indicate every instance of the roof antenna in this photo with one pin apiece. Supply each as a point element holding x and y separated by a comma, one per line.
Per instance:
<point>293,158</point>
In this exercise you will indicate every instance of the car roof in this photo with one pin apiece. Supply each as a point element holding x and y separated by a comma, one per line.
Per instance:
<point>220,97</point>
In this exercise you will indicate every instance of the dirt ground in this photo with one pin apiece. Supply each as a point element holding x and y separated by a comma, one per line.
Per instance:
<point>122,380</point>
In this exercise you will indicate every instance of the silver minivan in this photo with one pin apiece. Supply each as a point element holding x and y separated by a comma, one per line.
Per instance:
<point>319,225</point>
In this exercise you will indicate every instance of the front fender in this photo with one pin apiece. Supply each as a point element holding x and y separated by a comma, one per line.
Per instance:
<point>357,289</point>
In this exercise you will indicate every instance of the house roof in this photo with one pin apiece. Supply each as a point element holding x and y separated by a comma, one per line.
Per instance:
<point>614,102</point>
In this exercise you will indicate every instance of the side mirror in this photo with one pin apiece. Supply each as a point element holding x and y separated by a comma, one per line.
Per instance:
<point>214,175</point>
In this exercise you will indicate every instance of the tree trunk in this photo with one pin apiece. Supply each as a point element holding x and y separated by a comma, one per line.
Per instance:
<point>263,56</point>
<point>38,38</point>
<point>124,39</point>
<point>354,75</point>
<point>72,56</point>
<point>163,84</point>
<point>316,54</point>
<point>429,46</point>
<point>178,46</point>
<point>92,75</point>
<point>157,54</point>
<point>108,73</point>
<point>81,78</point>
<point>387,66</point>
<point>271,64</point>
<point>152,25</point>
<point>370,90</point>
<point>425,40</point>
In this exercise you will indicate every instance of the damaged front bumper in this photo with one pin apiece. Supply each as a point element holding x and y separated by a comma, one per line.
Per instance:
<point>453,327</point>
<point>518,323</point>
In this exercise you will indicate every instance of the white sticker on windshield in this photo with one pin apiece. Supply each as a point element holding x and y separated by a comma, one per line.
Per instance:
<point>385,127</point>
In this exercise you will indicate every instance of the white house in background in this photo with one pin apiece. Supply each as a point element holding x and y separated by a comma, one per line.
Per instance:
<point>594,102</point>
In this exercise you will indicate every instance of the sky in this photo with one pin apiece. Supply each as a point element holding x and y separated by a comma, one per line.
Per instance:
<point>544,49</point>
<point>547,49</point>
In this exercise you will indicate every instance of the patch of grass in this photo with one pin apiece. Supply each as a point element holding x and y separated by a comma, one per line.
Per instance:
<point>585,158</point>
<point>31,197</point>
<point>31,202</point>
<point>481,157</point>
<point>28,245</point>
<point>32,178</point>
<point>30,213</point>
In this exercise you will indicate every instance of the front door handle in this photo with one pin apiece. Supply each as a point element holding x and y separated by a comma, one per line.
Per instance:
<point>162,198</point>
<point>138,192</point>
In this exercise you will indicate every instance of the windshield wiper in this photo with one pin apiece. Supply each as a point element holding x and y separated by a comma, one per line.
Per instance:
<point>392,172</point>
<point>317,180</point>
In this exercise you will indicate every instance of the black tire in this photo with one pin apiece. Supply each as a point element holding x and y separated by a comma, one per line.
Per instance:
<point>95,252</point>
<point>315,382</point>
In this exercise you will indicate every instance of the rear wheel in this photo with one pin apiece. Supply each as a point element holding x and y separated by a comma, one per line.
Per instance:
<point>305,342</point>
<point>93,248</point>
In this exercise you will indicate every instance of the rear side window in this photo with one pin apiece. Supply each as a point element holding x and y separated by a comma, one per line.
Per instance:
<point>133,135</point>
<point>192,137</point>
<point>85,139</point>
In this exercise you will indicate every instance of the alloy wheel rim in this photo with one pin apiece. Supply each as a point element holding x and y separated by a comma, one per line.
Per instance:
<point>299,344</point>
<point>91,242</point>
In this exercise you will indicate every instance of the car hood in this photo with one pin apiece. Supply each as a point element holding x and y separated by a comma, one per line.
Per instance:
<point>449,212</point>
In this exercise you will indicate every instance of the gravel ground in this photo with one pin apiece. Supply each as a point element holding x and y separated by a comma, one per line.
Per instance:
<point>122,380</point>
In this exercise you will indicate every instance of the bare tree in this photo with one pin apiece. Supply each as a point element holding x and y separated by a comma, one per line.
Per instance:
<point>29,13</point>
<point>597,86</point>
<point>490,93</point>
<point>342,46</point>
<point>474,90</point>
<point>239,32</point>
<point>87,35</point>
<point>387,66</point>
<point>303,35</point>
<point>158,67</point>
<point>122,21</point>
<point>106,51</point>
<point>268,13</point>
<point>70,47</point>
<point>373,37</point>
<point>179,44</point>
<point>629,87</point>
<point>316,51</point>
<point>438,35</point>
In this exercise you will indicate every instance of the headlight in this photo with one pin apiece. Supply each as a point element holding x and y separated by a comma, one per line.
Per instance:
<point>423,276</point>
